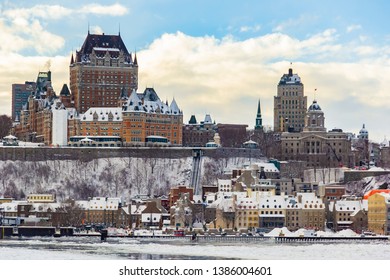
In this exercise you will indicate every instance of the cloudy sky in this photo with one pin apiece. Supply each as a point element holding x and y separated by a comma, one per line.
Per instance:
<point>221,57</point>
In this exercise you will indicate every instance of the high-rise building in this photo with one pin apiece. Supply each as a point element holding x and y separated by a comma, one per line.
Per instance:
<point>290,104</point>
<point>100,70</point>
<point>20,94</point>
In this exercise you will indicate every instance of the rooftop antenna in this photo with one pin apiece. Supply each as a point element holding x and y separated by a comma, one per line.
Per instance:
<point>315,93</point>
<point>88,27</point>
<point>119,29</point>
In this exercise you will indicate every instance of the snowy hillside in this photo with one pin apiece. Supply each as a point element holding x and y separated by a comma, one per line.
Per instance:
<point>359,188</point>
<point>115,177</point>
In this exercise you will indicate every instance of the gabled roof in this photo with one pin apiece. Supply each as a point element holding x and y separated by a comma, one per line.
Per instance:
<point>103,41</point>
<point>102,114</point>
<point>174,108</point>
<point>65,90</point>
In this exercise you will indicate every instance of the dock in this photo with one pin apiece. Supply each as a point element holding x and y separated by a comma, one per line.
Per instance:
<point>29,231</point>
<point>325,239</point>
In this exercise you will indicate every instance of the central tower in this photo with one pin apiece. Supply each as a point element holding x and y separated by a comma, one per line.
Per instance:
<point>290,104</point>
<point>100,71</point>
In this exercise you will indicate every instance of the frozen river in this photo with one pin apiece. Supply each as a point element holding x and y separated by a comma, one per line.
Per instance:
<point>91,248</point>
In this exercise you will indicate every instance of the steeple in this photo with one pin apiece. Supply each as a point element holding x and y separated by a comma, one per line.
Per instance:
<point>135,59</point>
<point>259,121</point>
<point>72,60</point>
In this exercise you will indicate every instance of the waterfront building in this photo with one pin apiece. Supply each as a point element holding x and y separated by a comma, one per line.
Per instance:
<point>99,71</point>
<point>379,213</point>
<point>182,213</point>
<point>305,210</point>
<point>247,213</point>
<point>105,211</point>
<point>290,104</point>
<point>152,216</point>
<point>349,214</point>
<point>224,213</point>
<point>272,210</point>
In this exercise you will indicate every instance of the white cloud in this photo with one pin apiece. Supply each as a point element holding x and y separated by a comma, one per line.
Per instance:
<point>225,77</point>
<point>96,29</point>
<point>111,10</point>
<point>254,28</point>
<point>39,11</point>
<point>23,28</point>
<point>353,27</point>
<point>56,12</point>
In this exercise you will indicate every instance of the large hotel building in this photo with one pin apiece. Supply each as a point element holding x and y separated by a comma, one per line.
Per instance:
<point>101,107</point>
<point>100,70</point>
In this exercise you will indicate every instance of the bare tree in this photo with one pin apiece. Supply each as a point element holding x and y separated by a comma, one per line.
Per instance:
<point>5,125</point>
<point>73,214</point>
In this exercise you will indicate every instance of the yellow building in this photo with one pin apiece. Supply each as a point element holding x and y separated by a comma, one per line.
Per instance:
<point>40,198</point>
<point>379,213</point>
<point>247,213</point>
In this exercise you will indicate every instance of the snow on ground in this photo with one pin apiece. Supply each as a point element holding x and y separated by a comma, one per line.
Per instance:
<point>114,177</point>
<point>307,233</point>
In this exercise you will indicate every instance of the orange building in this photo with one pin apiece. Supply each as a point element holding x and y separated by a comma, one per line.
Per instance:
<point>141,120</point>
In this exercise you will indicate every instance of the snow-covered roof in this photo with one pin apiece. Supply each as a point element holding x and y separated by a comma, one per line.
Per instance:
<point>310,198</point>
<point>272,202</point>
<point>197,198</point>
<point>174,108</point>
<point>102,114</point>
<point>348,205</point>
<point>207,119</point>
<point>227,182</point>
<point>72,113</point>
<point>150,103</point>
<point>246,203</point>
<point>10,206</point>
<point>268,166</point>
<point>250,142</point>
<point>100,203</point>
<point>45,207</point>
<point>106,49</point>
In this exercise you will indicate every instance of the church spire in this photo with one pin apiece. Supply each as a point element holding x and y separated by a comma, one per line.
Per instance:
<point>135,59</point>
<point>259,120</point>
<point>72,60</point>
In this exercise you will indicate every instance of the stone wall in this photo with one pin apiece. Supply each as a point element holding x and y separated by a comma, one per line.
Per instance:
<point>357,175</point>
<point>88,154</point>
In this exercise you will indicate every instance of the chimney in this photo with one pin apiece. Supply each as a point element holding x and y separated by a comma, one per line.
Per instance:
<point>290,72</point>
